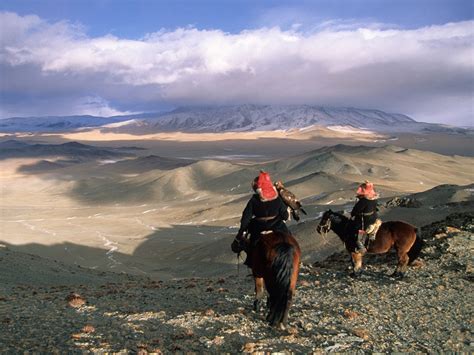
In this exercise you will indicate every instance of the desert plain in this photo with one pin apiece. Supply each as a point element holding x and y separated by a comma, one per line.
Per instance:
<point>168,205</point>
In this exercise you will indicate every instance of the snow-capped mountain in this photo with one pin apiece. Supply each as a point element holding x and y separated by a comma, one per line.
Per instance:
<point>56,123</point>
<point>268,118</point>
<point>239,118</point>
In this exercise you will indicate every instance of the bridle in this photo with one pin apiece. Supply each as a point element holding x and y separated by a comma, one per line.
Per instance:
<point>238,245</point>
<point>324,229</point>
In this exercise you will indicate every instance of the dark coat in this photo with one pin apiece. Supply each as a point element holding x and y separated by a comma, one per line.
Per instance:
<point>256,208</point>
<point>364,213</point>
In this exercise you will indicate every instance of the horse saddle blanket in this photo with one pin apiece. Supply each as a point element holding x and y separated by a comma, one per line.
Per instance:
<point>373,229</point>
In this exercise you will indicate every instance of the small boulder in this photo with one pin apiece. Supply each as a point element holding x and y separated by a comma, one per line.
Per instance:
<point>304,283</point>
<point>361,333</point>
<point>88,329</point>
<point>209,312</point>
<point>350,314</point>
<point>408,202</point>
<point>75,300</point>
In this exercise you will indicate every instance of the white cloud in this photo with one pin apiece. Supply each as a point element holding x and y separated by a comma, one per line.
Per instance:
<point>371,66</point>
<point>96,106</point>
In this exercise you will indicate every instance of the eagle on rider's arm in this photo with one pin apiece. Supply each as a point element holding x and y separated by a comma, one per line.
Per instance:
<point>290,200</point>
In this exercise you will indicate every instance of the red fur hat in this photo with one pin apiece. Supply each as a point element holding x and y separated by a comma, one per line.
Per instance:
<point>265,187</point>
<point>366,189</point>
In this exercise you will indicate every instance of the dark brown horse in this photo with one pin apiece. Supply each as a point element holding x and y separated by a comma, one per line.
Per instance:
<point>275,263</point>
<point>400,235</point>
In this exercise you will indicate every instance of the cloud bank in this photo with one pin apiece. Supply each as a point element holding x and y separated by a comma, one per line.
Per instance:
<point>54,68</point>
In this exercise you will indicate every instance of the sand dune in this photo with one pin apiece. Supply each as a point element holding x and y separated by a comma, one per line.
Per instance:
<point>137,215</point>
<point>146,163</point>
<point>299,134</point>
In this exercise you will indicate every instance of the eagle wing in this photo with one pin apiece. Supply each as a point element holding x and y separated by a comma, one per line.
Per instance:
<point>290,199</point>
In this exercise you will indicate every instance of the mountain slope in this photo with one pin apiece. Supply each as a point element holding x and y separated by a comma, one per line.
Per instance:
<point>74,150</point>
<point>54,123</point>
<point>237,118</point>
<point>320,176</point>
<point>261,118</point>
<point>431,311</point>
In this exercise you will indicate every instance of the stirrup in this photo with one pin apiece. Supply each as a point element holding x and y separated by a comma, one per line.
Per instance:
<point>361,249</point>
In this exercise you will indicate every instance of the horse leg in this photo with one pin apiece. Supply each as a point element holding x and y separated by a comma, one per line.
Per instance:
<point>357,264</point>
<point>259,293</point>
<point>284,320</point>
<point>291,293</point>
<point>270,304</point>
<point>402,265</point>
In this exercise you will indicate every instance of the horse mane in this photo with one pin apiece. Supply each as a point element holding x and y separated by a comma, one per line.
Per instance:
<point>340,228</point>
<point>341,215</point>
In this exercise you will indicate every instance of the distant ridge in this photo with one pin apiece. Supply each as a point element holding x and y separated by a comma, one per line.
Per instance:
<point>237,118</point>
<point>17,149</point>
<point>245,118</point>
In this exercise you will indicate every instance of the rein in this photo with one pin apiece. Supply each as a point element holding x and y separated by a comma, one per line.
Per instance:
<point>343,232</point>
<point>327,228</point>
<point>240,242</point>
<point>238,264</point>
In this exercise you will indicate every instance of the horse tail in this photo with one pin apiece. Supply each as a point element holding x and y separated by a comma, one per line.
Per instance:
<point>415,249</point>
<point>280,292</point>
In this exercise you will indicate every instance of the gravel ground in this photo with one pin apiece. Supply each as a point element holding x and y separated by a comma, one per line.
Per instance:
<point>431,310</point>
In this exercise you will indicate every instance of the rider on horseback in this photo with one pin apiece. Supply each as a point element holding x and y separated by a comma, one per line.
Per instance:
<point>265,211</point>
<point>364,213</point>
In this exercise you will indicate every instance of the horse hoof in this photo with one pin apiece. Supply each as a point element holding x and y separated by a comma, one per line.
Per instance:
<point>269,317</point>
<point>398,275</point>
<point>355,274</point>
<point>258,305</point>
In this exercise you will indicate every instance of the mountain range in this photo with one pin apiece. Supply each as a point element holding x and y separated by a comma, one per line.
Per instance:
<point>237,118</point>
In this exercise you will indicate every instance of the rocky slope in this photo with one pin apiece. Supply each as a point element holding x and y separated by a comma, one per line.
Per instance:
<point>429,311</point>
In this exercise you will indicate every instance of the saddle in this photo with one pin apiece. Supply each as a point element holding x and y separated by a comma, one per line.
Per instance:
<point>253,241</point>
<point>372,230</point>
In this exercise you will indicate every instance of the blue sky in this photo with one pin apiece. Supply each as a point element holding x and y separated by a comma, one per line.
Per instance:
<point>134,18</point>
<point>110,57</point>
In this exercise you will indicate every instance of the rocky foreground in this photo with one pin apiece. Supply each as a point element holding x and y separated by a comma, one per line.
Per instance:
<point>431,310</point>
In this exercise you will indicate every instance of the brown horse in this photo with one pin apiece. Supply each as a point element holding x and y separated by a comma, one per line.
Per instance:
<point>400,235</point>
<point>275,263</point>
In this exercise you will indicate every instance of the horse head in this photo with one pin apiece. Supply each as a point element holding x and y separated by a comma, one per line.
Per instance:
<point>324,225</point>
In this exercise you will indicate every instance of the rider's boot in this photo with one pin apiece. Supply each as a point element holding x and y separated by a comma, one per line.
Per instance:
<point>360,244</point>
<point>249,250</point>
